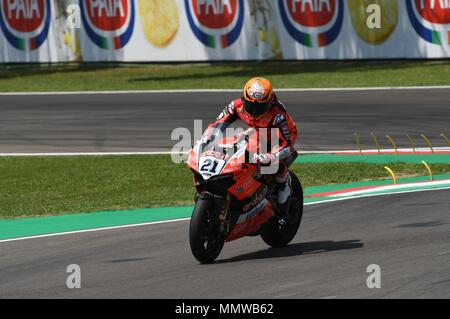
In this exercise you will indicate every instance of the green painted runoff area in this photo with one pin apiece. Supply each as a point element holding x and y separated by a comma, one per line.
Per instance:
<point>27,227</point>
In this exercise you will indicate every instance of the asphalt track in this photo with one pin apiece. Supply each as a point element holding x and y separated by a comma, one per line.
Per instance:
<point>144,122</point>
<point>407,235</point>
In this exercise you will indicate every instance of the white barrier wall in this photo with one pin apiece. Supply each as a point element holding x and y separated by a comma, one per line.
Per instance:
<point>202,30</point>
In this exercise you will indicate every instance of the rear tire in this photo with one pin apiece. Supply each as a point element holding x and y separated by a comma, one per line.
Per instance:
<point>275,235</point>
<point>206,246</point>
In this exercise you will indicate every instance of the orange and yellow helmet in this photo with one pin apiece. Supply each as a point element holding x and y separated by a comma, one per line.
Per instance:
<point>258,97</point>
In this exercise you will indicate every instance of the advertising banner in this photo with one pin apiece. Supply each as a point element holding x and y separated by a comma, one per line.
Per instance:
<point>214,30</point>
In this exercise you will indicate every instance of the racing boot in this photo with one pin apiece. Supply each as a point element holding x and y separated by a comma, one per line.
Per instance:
<point>284,193</point>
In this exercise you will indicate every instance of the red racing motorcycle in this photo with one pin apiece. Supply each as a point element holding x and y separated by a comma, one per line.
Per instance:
<point>234,199</point>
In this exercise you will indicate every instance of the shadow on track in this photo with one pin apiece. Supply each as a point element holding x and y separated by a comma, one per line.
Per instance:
<point>15,70</point>
<point>297,250</point>
<point>425,224</point>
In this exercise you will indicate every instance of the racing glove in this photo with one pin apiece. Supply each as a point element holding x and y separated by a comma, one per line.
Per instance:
<point>264,158</point>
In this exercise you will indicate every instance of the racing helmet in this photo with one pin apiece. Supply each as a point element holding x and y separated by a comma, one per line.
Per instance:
<point>258,97</point>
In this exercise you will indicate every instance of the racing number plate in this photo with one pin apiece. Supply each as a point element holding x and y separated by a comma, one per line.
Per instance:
<point>210,166</point>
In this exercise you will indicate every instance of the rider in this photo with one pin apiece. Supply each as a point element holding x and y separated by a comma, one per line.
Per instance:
<point>259,107</point>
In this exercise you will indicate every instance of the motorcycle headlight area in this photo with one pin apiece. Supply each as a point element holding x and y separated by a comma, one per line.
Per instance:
<point>215,185</point>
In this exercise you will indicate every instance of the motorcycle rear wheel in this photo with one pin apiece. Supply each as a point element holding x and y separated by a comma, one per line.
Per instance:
<point>276,235</point>
<point>206,244</point>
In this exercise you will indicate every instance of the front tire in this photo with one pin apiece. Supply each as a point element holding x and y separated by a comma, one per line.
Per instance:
<point>275,235</point>
<point>205,243</point>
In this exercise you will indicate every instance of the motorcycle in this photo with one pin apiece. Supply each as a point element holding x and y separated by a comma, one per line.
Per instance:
<point>234,199</point>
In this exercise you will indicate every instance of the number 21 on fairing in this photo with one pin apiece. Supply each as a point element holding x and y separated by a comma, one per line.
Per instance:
<point>211,165</point>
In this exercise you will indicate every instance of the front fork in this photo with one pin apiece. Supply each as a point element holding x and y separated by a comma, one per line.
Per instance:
<point>219,212</point>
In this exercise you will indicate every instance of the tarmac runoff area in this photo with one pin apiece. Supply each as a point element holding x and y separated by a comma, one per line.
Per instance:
<point>406,235</point>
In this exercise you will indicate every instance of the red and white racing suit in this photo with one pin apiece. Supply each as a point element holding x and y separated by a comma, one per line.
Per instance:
<point>276,117</point>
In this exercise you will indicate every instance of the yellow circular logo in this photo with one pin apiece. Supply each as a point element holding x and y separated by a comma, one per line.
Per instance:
<point>160,20</point>
<point>360,16</point>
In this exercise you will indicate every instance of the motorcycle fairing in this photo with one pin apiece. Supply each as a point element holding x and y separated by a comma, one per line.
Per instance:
<point>212,163</point>
<point>251,221</point>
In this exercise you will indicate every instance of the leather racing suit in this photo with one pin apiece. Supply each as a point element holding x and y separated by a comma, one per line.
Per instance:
<point>276,117</point>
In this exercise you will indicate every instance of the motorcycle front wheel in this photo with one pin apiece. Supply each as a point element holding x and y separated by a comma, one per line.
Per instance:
<point>205,241</point>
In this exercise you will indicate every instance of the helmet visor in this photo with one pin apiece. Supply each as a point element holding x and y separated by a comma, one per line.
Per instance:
<point>256,109</point>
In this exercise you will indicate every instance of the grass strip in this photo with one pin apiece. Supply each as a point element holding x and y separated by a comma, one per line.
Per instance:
<point>283,74</point>
<point>39,186</point>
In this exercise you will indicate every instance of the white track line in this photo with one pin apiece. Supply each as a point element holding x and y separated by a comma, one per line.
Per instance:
<point>400,150</point>
<point>186,219</point>
<point>227,90</point>
<point>94,230</point>
<point>86,154</point>
<point>445,183</point>
<point>377,195</point>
